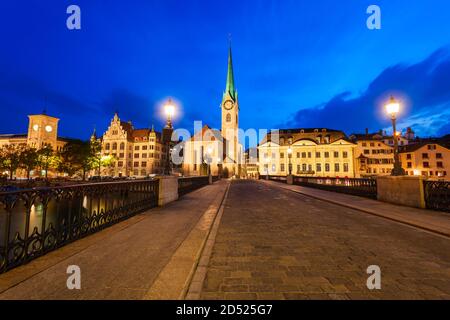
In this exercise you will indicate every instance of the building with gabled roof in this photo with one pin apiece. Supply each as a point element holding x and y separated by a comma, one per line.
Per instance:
<point>135,152</point>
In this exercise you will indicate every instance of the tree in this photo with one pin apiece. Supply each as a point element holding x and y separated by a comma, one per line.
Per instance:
<point>10,155</point>
<point>47,158</point>
<point>29,159</point>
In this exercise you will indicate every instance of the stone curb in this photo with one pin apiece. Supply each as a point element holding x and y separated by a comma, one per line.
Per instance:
<point>358,208</point>
<point>196,284</point>
<point>172,283</point>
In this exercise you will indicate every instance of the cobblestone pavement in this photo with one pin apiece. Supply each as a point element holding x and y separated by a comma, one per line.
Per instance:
<point>275,244</point>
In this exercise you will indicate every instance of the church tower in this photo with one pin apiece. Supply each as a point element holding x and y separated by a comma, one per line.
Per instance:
<point>230,120</point>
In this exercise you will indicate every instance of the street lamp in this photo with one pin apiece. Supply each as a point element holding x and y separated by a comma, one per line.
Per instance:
<point>289,151</point>
<point>392,108</point>
<point>169,110</point>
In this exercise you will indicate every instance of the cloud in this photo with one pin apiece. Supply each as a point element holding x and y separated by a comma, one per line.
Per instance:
<point>423,88</point>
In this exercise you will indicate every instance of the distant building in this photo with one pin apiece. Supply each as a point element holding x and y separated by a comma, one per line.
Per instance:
<point>429,158</point>
<point>316,152</point>
<point>373,155</point>
<point>42,130</point>
<point>135,152</point>
<point>251,164</point>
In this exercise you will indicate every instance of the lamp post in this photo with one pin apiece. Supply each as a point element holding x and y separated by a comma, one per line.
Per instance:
<point>289,151</point>
<point>169,110</point>
<point>392,108</point>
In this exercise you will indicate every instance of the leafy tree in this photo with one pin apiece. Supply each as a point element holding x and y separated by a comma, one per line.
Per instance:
<point>28,159</point>
<point>47,158</point>
<point>10,155</point>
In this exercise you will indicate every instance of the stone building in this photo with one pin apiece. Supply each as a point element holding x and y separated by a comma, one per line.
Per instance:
<point>42,130</point>
<point>373,156</point>
<point>316,152</point>
<point>218,148</point>
<point>134,152</point>
<point>427,158</point>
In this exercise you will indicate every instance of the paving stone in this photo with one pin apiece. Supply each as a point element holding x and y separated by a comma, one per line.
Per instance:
<point>303,248</point>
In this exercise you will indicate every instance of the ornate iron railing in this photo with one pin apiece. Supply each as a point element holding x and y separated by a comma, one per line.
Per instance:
<point>437,195</point>
<point>36,221</point>
<point>189,184</point>
<point>353,186</point>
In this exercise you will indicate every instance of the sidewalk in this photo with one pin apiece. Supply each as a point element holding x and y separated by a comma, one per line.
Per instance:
<point>434,221</point>
<point>127,260</point>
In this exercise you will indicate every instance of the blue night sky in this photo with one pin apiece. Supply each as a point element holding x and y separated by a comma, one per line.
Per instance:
<point>297,63</point>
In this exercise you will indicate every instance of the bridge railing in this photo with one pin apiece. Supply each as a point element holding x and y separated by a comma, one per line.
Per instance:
<point>354,186</point>
<point>437,195</point>
<point>36,221</point>
<point>189,184</point>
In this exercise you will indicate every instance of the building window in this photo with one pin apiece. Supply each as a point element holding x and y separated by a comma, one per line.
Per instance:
<point>318,167</point>
<point>366,151</point>
<point>317,154</point>
<point>120,163</point>
<point>143,164</point>
<point>144,147</point>
<point>143,173</point>
<point>121,155</point>
<point>114,146</point>
<point>122,146</point>
<point>345,154</point>
<point>409,165</point>
<point>136,155</point>
<point>282,155</point>
<point>336,154</point>
<point>274,168</point>
<point>136,147</point>
<point>327,154</point>
<point>309,155</point>
<point>304,167</point>
<point>298,154</point>
<point>439,164</point>
<point>438,155</point>
<point>408,156</point>
<point>135,172</point>
<point>303,154</point>
<point>327,167</point>
<point>136,164</point>
<point>228,117</point>
<point>107,146</point>
<point>282,167</point>
<point>424,155</point>
<point>345,167</point>
<point>336,167</point>
<point>144,155</point>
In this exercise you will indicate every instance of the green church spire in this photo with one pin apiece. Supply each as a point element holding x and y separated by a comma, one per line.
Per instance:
<point>230,76</point>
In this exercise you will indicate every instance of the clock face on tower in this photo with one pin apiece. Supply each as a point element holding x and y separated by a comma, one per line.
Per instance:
<point>228,105</point>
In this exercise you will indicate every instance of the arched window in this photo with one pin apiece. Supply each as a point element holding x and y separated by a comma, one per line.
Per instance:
<point>228,117</point>
<point>122,146</point>
<point>114,146</point>
<point>107,146</point>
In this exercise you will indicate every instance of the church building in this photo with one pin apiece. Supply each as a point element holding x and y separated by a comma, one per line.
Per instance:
<point>214,151</point>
